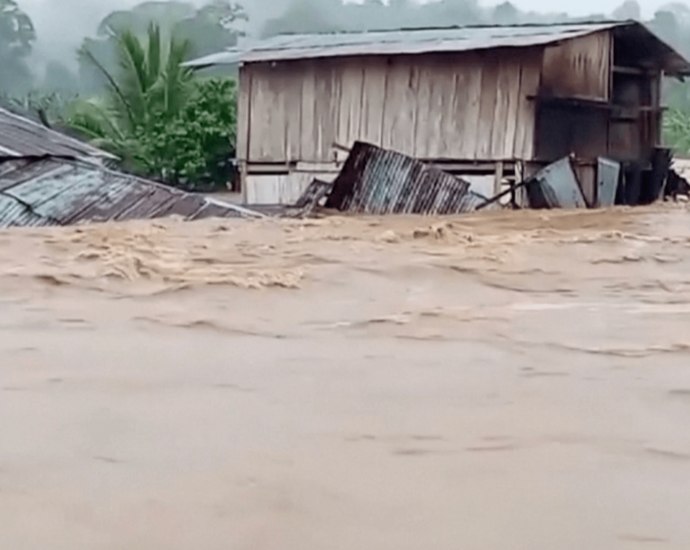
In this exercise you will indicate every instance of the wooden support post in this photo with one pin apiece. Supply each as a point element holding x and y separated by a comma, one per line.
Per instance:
<point>498,178</point>
<point>516,196</point>
<point>243,180</point>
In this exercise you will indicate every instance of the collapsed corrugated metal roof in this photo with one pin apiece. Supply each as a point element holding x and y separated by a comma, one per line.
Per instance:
<point>53,191</point>
<point>419,41</point>
<point>378,181</point>
<point>22,137</point>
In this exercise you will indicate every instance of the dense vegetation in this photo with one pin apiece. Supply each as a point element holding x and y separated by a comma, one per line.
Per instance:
<point>156,116</point>
<point>126,90</point>
<point>131,94</point>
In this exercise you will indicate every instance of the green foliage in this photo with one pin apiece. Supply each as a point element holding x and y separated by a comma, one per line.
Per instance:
<point>45,107</point>
<point>677,130</point>
<point>150,83</point>
<point>159,120</point>
<point>193,150</point>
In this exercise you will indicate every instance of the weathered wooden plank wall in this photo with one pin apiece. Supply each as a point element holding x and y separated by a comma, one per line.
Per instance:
<point>579,67</point>
<point>470,106</point>
<point>243,113</point>
<point>530,82</point>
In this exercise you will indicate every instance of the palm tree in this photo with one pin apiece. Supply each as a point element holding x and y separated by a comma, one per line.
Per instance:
<point>151,85</point>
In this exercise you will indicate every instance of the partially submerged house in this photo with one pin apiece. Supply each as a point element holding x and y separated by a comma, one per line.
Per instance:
<point>48,178</point>
<point>501,101</point>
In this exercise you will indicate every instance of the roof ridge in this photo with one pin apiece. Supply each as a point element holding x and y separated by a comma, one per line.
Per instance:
<point>616,22</point>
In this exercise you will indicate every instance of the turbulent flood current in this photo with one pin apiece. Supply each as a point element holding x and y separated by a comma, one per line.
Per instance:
<point>509,381</point>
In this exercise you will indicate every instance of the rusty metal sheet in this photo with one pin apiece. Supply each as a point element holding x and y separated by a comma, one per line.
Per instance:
<point>608,175</point>
<point>378,181</point>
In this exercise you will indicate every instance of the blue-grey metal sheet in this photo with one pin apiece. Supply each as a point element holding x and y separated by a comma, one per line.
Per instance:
<point>22,170</point>
<point>378,181</point>
<point>608,175</point>
<point>84,187</point>
<point>21,137</point>
<point>559,185</point>
<point>44,187</point>
<point>16,214</point>
<point>53,191</point>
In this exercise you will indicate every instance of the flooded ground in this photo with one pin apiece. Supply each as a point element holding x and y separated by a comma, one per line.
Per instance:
<point>500,382</point>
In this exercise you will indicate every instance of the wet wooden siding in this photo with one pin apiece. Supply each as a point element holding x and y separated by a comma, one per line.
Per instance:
<point>566,129</point>
<point>271,189</point>
<point>471,106</point>
<point>633,132</point>
<point>580,67</point>
<point>243,111</point>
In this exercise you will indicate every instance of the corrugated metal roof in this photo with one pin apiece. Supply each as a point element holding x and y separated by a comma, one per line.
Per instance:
<point>419,41</point>
<point>52,191</point>
<point>21,137</point>
<point>378,181</point>
<point>414,41</point>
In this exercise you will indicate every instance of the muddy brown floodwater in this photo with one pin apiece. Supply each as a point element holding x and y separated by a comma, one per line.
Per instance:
<point>511,381</point>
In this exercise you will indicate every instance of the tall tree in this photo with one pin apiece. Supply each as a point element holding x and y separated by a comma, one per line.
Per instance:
<point>17,36</point>
<point>303,16</point>
<point>138,19</point>
<point>629,9</point>
<point>506,14</point>
<point>157,117</point>
<point>149,85</point>
<point>212,28</point>
<point>58,78</point>
<point>208,29</point>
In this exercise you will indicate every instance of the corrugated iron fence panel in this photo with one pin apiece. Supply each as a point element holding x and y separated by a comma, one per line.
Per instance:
<point>377,181</point>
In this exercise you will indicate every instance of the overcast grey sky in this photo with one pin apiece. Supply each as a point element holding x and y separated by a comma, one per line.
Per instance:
<point>46,13</point>
<point>65,22</point>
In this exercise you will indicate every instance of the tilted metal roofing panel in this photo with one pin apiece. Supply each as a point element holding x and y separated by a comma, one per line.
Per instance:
<point>378,181</point>
<point>21,137</point>
<point>49,191</point>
